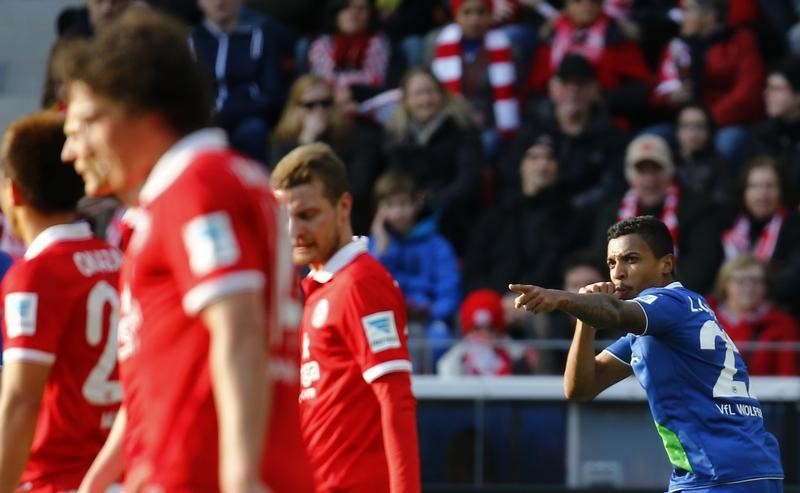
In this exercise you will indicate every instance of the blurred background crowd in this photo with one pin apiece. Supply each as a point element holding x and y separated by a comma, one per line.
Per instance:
<point>494,141</point>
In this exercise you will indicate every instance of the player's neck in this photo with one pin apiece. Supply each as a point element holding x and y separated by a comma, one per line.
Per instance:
<point>32,223</point>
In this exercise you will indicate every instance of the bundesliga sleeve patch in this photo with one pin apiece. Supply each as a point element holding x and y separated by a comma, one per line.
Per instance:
<point>20,316</point>
<point>648,298</point>
<point>381,331</point>
<point>210,242</point>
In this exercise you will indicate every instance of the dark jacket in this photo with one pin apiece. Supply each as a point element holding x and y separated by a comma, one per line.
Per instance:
<point>522,240</point>
<point>699,230</point>
<point>781,140</point>
<point>245,66</point>
<point>707,173</point>
<point>424,264</point>
<point>590,164</point>
<point>447,166</point>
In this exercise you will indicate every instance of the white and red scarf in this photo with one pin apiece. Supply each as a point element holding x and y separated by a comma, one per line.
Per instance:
<point>589,42</point>
<point>736,241</point>
<point>675,67</point>
<point>669,212</point>
<point>448,68</point>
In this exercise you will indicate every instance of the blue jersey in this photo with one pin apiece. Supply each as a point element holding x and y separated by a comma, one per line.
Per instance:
<point>698,390</point>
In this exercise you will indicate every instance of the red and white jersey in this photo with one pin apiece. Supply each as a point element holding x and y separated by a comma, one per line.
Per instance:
<point>207,226</point>
<point>353,332</point>
<point>61,308</point>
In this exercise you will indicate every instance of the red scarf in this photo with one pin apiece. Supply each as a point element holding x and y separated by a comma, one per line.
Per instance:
<point>589,42</point>
<point>736,240</point>
<point>349,51</point>
<point>447,66</point>
<point>675,67</point>
<point>669,214</point>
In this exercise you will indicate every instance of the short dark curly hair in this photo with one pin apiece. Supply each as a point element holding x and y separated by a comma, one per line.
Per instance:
<point>31,157</point>
<point>142,62</point>
<point>650,229</point>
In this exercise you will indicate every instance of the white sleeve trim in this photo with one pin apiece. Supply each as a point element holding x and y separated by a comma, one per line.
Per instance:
<point>209,291</point>
<point>646,318</point>
<point>628,363</point>
<point>30,355</point>
<point>381,369</point>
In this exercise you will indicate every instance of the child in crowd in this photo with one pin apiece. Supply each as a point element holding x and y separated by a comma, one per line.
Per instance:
<point>408,244</point>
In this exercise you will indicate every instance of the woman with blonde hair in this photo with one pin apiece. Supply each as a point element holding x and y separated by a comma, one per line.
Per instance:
<point>744,310</point>
<point>432,136</point>
<point>312,114</point>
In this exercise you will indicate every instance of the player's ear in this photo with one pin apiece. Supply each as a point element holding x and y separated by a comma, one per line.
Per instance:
<point>11,192</point>
<point>346,204</point>
<point>667,264</point>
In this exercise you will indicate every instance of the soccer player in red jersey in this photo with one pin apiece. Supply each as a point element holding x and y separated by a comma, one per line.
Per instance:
<point>205,285</point>
<point>358,414</point>
<point>123,445</point>
<point>61,310</point>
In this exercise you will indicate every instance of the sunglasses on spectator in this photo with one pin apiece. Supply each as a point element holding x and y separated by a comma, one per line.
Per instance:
<point>321,103</point>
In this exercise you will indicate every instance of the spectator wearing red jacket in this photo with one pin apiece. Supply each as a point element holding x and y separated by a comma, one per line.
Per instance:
<point>717,65</point>
<point>753,323</point>
<point>584,29</point>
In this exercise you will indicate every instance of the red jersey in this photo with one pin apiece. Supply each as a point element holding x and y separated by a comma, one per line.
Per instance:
<point>352,333</point>
<point>60,304</point>
<point>207,227</point>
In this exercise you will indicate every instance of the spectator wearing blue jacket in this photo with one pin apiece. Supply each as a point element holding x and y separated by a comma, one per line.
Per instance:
<point>243,52</point>
<point>423,262</point>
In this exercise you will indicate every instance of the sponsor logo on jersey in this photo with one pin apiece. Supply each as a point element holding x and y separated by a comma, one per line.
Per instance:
<point>20,314</point>
<point>320,314</point>
<point>210,242</point>
<point>381,331</point>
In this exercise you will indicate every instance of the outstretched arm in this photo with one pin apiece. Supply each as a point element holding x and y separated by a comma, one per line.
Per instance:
<point>601,308</point>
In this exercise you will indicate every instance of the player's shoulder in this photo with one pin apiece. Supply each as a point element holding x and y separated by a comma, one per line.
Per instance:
<point>217,169</point>
<point>366,268</point>
<point>674,291</point>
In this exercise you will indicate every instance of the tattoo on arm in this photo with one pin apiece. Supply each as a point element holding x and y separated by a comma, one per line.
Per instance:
<point>604,311</point>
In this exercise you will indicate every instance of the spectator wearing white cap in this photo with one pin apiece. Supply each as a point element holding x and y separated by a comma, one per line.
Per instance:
<point>653,190</point>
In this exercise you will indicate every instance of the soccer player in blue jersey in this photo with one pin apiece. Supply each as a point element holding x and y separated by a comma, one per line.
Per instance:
<point>697,385</point>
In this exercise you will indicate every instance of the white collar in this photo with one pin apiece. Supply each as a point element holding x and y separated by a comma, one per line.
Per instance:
<point>58,233</point>
<point>340,259</point>
<point>673,285</point>
<point>173,163</point>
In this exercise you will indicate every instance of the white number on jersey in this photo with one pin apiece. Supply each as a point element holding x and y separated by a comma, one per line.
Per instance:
<point>99,389</point>
<point>725,386</point>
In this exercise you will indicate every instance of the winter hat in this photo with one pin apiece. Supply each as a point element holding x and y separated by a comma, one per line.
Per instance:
<point>482,308</point>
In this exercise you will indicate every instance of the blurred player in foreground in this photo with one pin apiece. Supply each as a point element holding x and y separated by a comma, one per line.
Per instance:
<point>697,385</point>
<point>206,277</point>
<point>59,385</point>
<point>358,414</point>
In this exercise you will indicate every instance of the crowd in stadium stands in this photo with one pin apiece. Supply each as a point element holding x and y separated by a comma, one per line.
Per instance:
<point>495,141</point>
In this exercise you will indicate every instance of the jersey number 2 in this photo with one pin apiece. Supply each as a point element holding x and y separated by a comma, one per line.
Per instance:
<point>725,386</point>
<point>99,389</point>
